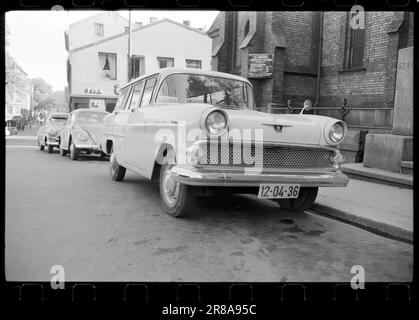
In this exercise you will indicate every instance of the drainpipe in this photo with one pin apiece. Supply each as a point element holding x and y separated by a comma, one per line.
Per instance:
<point>319,62</point>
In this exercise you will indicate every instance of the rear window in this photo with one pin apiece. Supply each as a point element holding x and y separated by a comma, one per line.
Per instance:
<point>57,120</point>
<point>90,117</point>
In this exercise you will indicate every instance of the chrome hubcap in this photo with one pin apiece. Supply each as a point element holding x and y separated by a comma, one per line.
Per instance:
<point>170,188</point>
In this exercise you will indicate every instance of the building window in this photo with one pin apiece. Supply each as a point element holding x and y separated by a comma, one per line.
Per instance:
<point>98,29</point>
<point>354,46</point>
<point>107,65</point>
<point>196,64</point>
<point>137,66</point>
<point>166,62</point>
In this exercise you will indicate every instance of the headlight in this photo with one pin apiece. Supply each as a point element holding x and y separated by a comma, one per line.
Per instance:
<point>336,132</point>
<point>52,132</point>
<point>83,136</point>
<point>216,122</point>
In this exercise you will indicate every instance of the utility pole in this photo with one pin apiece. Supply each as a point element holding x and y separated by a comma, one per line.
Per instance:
<point>129,47</point>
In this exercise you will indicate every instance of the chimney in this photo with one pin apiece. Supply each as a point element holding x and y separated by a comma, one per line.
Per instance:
<point>153,19</point>
<point>138,24</point>
<point>187,23</point>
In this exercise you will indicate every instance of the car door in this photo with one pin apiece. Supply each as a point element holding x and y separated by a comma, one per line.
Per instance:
<point>109,121</point>
<point>120,128</point>
<point>136,130</point>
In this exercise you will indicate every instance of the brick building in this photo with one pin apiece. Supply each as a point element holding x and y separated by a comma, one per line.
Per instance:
<point>318,56</point>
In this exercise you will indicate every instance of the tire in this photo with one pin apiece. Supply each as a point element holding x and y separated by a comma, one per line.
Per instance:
<point>74,152</point>
<point>50,149</point>
<point>305,200</point>
<point>178,202</point>
<point>117,171</point>
<point>63,152</point>
<point>40,146</point>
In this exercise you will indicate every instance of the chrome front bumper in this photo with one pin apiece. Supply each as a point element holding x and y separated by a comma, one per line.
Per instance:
<point>236,178</point>
<point>90,146</point>
<point>52,142</point>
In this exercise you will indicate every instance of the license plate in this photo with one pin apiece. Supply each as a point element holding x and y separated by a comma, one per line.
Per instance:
<point>278,191</point>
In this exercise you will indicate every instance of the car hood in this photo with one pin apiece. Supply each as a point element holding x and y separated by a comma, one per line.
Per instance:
<point>282,128</point>
<point>93,130</point>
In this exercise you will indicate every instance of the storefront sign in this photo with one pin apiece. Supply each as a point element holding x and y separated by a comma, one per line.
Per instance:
<point>260,65</point>
<point>93,91</point>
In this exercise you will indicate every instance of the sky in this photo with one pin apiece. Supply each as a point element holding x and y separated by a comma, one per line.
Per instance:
<point>36,38</point>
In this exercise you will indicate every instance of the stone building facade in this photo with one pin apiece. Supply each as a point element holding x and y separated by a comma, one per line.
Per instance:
<point>318,56</point>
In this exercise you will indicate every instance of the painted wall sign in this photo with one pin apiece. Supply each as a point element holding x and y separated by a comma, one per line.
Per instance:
<point>260,65</point>
<point>97,104</point>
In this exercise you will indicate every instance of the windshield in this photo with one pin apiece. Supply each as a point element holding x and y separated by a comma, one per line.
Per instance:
<point>57,121</point>
<point>191,88</point>
<point>90,117</point>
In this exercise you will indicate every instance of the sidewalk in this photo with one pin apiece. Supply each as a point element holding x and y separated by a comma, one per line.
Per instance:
<point>382,208</point>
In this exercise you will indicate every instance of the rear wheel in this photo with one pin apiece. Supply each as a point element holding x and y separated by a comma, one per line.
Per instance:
<point>63,152</point>
<point>305,200</point>
<point>117,171</point>
<point>40,146</point>
<point>177,199</point>
<point>74,152</point>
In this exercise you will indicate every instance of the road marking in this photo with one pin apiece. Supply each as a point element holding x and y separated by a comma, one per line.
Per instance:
<point>21,147</point>
<point>20,137</point>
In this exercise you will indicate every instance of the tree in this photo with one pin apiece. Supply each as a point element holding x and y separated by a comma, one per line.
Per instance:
<point>43,98</point>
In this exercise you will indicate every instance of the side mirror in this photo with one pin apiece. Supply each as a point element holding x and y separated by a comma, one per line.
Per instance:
<point>306,106</point>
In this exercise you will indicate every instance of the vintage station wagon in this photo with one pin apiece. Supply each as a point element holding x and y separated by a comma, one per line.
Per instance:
<point>198,132</point>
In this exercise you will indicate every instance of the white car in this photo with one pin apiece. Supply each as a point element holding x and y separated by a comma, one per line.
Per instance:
<point>198,131</point>
<point>48,135</point>
<point>7,131</point>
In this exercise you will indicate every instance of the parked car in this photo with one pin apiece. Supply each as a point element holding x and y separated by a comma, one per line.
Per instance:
<point>11,125</point>
<point>82,133</point>
<point>48,135</point>
<point>297,154</point>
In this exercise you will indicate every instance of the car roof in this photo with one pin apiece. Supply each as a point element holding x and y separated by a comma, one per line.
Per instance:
<point>167,71</point>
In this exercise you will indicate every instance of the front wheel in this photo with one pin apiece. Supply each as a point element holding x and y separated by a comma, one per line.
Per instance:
<point>50,149</point>
<point>177,199</point>
<point>117,171</point>
<point>305,200</point>
<point>74,152</point>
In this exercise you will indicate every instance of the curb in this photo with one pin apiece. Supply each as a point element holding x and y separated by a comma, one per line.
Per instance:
<point>377,227</point>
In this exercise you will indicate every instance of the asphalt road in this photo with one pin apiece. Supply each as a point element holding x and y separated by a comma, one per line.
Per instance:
<point>70,213</point>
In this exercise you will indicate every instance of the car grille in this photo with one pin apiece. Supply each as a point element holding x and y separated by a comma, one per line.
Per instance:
<point>269,156</point>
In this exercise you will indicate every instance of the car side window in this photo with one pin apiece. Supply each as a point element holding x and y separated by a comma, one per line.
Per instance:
<point>136,94</point>
<point>148,92</point>
<point>122,100</point>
